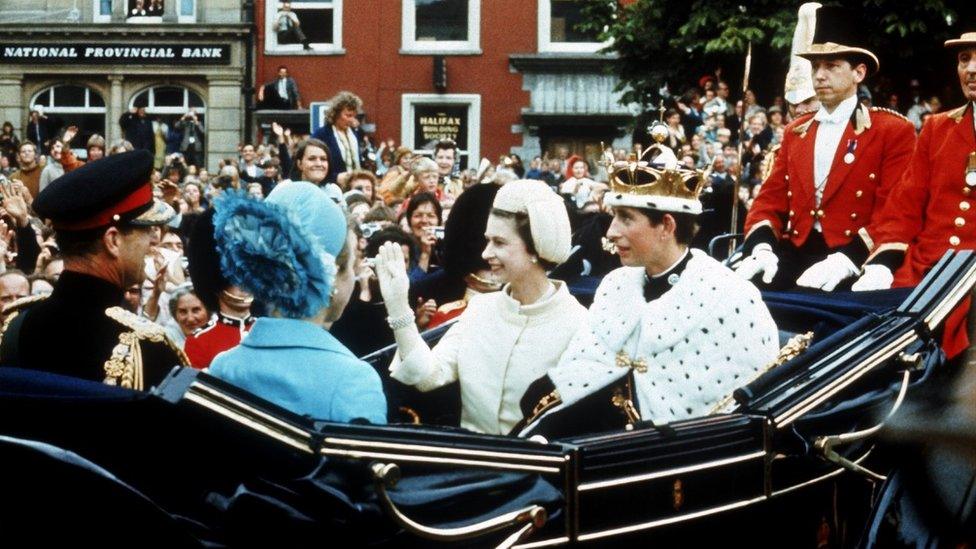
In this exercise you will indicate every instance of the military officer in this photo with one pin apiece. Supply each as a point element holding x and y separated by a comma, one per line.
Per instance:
<point>102,214</point>
<point>810,225</point>
<point>931,210</point>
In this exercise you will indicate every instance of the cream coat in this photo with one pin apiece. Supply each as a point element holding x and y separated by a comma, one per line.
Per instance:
<point>496,349</point>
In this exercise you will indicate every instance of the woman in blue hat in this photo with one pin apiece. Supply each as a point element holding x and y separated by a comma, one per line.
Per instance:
<point>296,252</point>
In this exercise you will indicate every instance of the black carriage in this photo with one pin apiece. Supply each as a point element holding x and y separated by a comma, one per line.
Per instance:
<point>790,461</point>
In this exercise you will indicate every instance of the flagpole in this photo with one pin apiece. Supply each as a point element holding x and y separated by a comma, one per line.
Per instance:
<point>737,182</point>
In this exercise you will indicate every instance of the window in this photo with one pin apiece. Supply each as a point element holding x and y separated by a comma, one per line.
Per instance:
<point>145,11</point>
<point>165,100</point>
<point>69,105</point>
<point>558,28</point>
<point>187,11</point>
<point>442,26</point>
<point>312,26</point>
<point>102,11</point>
<point>168,104</point>
<point>428,118</point>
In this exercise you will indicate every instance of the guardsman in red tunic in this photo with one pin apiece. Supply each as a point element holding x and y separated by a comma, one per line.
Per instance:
<point>811,224</point>
<point>223,332</point>
<point>933,209</point>
<point>232,305</point>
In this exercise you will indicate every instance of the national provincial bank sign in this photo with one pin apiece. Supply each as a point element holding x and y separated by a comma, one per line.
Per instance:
<point>114,54</point>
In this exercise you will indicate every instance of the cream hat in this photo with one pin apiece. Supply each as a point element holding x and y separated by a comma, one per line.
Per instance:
<point>548,220</point>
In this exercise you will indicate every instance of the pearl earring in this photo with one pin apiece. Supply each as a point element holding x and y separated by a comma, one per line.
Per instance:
<point>535,260</point>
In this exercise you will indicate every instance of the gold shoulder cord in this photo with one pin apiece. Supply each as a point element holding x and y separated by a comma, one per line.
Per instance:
<point>766,167</point>
<point>125,367</point>
<point>15,308</point>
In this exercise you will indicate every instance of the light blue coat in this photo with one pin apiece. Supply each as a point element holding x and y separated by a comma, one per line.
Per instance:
<point>303,368</point>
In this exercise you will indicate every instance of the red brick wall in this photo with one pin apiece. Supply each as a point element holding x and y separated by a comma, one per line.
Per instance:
<point>373,68</point>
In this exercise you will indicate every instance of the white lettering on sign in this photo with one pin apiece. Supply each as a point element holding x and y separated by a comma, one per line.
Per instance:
<point>207,53</point>
<point>51,52</point>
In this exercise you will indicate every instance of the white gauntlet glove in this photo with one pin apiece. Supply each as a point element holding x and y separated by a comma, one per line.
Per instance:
<point>391,273</point>
<point>875,277</point>
<point>827,274</point>
<point>761,260</point>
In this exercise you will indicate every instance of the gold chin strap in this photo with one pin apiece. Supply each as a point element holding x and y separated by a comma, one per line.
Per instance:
<point>238,300</point>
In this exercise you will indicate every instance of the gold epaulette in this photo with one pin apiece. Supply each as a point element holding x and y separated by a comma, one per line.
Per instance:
<point>15,307</point>
<point>958,113</point>
<point>766,167</point>
<point>890,111</point>
<point>801,127</point>
<point>125,368</point>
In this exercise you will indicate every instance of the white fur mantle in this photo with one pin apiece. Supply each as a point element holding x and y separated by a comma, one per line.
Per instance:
<point>700,340</point>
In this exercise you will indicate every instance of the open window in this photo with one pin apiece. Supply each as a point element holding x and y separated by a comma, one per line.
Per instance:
<point>72,105</point>
<point>309,26</point>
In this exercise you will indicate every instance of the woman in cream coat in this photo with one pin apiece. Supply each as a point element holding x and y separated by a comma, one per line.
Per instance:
<point>504,340</point>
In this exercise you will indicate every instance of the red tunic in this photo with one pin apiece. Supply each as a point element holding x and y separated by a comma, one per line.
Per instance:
<point>932,209</point>
<point>854,192</point>
<point>221,333</point>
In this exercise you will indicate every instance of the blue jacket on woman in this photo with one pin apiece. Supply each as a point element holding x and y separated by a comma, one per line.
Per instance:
<point>303,368</point>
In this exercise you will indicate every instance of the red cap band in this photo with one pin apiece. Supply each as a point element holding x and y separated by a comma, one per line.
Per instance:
<point>139,198</point>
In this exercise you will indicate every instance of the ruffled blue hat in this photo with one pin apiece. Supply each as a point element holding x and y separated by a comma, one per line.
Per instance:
<point>282,249</point>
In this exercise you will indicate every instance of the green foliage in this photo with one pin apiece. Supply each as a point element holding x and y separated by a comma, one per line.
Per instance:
<point>674,42</point>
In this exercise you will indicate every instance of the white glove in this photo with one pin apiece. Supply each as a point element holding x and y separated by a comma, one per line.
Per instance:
<point>875,277</point>
<point>761,260</point>
<point>827,274</point>
<point>391,273</point>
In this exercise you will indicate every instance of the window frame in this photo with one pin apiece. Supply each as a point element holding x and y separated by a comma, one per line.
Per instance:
<point>151,108</point>
<point>411,46</point>
<point>271,46</point>
<point>473,100</point>
<point>51,108</point>
<point>97,15</point>
<point>546,45</point>
<point>192,18</point>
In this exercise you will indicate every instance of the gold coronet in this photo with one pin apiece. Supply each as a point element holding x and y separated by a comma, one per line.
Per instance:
<point>639,175</point>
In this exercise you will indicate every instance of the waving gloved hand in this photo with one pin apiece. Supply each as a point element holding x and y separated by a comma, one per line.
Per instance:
<point>827,274</point>
<point>391,273</point>
<point>875,277</point>
<point>761,260</point>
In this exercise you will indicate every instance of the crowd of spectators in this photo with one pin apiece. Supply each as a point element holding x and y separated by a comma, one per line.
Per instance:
<point>393,194</point>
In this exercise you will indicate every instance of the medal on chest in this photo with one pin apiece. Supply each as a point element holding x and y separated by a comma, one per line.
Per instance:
<point>971,170</point>
<point>851,147</point>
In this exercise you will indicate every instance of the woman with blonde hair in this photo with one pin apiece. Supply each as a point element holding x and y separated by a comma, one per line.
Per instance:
<point>342,135</point>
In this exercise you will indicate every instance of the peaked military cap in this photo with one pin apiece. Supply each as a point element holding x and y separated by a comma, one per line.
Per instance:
<point>113,190</point>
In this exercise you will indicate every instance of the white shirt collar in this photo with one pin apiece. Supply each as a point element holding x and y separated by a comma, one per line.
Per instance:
<point>840,115</point>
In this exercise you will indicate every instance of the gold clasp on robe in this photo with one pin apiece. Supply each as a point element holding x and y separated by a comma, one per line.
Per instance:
<point>638,365</point>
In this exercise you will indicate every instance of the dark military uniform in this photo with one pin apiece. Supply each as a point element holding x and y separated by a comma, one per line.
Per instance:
<point>81,330</point>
